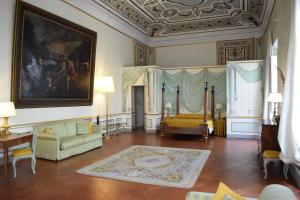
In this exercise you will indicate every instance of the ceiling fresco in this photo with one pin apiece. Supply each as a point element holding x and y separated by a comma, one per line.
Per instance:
<point>158,18</point>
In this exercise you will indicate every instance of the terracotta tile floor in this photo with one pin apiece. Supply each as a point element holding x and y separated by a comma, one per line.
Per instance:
<point>233,161</point>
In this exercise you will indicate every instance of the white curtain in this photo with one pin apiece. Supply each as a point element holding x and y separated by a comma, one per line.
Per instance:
<point>267,80</point>
<point>289,129</point>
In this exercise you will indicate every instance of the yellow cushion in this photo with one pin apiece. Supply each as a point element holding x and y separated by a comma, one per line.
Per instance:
<point>21,152</point>
<point>90,127</point>
<point>271,154</point>
<point>47,130</point>
<point>223,191</point>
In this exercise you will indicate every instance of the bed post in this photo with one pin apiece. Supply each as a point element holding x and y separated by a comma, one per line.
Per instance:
<point>162,102</point>
<point>205,135</point>
<point>205,102</point>
<point>177,101</point>
<point>212,102</point>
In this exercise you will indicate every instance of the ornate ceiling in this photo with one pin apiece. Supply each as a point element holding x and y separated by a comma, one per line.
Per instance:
<point>157,18</point>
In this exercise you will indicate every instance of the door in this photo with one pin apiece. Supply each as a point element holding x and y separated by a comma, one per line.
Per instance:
<point>138,107</point>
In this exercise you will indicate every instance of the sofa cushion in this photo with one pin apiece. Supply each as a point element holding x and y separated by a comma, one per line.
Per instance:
<point>55,128</point>
<point>71,127</point>
<point>92,137</point>
<point>83,128</point>
<point>71,141</point>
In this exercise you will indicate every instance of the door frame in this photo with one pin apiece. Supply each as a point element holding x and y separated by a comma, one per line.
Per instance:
<point>133,105</point>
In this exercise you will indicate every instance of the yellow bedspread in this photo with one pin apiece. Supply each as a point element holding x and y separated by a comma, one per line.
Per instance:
<point>192,116</point>
<point>187,122</point>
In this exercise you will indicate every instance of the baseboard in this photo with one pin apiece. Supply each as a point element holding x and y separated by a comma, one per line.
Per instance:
<point>151,131</point>
<point>128,129</point>
<point>243,136</point>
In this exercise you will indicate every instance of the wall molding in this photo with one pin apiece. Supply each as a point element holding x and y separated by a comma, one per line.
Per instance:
<point>99,12</point>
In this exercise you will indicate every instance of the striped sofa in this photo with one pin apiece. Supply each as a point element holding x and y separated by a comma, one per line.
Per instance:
<point>62,139</point>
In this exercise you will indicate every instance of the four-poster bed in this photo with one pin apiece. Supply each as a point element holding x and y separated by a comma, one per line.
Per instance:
<point>192,124</point>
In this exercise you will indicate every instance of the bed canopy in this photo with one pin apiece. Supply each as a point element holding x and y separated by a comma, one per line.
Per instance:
<point>189,79</point>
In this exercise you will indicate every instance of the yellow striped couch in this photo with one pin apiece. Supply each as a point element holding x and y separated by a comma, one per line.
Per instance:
<point>62,139</point>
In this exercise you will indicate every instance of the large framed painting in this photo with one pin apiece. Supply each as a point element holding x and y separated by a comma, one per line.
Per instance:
<point>53,60</point>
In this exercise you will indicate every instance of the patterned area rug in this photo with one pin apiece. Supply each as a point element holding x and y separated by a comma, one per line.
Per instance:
<point>173,167</point>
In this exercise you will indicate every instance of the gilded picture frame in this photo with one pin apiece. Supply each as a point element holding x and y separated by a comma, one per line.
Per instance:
<point>53,60</point>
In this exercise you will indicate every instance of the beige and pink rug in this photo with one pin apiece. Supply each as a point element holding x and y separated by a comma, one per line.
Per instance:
<point>164,166</point>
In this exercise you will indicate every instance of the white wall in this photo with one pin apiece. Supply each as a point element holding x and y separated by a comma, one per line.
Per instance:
<point>114,50</point>
<point>187,55</point>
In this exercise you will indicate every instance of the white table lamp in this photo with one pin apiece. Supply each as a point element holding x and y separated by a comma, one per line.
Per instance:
<point>105,84</point>
<point>275,98</point>
<point>7,109</point>
<point>219,106</point>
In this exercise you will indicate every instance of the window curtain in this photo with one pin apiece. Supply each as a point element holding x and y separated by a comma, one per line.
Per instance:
<point>267,80</point>
<point>289,129</point>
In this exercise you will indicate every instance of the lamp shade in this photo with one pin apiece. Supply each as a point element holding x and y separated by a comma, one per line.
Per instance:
<point>7,109</point>
<point>104,84</point>
<point>275,97</point>
<point>219,106</point>
<point>168,105</point>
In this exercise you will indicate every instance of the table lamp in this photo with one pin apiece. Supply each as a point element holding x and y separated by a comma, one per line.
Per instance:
<point>275,98</point>
<point>7,109</point>
<point>105,85</point>
<point>219,106</point>
<point>168,106</point>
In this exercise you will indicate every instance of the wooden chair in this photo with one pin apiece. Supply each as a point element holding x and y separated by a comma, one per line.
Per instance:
<point>24,153</point>
<point>268,156</point>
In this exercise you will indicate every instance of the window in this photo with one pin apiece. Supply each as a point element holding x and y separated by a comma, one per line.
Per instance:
<point>274,70</point>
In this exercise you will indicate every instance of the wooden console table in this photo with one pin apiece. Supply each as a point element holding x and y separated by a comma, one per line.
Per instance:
<point>10,141</point>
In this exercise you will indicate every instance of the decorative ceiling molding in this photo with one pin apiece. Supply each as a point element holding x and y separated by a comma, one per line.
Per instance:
<point>182,21</point>
<point>100,13</point>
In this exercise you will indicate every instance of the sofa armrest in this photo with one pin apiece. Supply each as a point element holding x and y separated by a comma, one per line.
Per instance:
<point>277,192</point>
<point>97,129</point>
<point>48,146</point>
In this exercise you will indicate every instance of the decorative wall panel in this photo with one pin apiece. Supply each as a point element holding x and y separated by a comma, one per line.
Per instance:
<point>235,50</point>
<point>140,54</point>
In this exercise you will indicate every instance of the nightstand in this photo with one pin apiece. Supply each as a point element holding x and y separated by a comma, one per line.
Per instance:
<point>220,127</point>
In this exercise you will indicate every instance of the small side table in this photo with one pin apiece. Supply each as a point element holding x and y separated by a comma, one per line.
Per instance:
<point>220,127</point>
